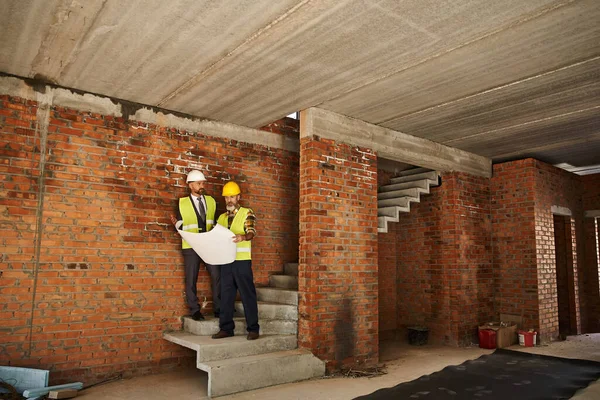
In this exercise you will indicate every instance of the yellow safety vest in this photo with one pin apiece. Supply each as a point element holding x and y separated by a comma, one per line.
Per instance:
<point>244,248</point>
<point>190,219</point>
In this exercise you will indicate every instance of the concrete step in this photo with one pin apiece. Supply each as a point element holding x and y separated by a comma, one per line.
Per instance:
<point>410,192</point>
<point>252,372</point>
<point>391,212</point>
<point>382,221</point>
<point>290,269</point>
<point>208,349</point>
<point>210,326</point>
<point>283,281</point>
<point>421,183</point>
<point>382,225</point>
<point>396,202</point>
<point>431,175</point>
<point>276,295</point>
<point>413,171</point>
<point>268,310</point>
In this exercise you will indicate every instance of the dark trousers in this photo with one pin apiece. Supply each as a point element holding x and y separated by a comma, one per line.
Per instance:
<point>238,276</point>
<point>192,267</point>
<point>215,280</point>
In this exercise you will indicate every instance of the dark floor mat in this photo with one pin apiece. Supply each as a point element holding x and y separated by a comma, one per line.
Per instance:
<point>504,374</point>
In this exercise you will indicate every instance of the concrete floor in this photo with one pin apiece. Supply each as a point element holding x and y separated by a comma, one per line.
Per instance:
<point>403,363</point>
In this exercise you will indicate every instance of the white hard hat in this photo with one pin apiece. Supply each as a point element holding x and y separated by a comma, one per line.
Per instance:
<point>195,176</point>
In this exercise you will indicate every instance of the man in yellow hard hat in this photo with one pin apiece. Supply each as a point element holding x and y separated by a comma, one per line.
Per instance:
<point>198,214</point>
<point>238,275</point>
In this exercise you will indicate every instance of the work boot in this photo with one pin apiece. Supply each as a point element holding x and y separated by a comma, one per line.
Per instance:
<point>222,334</point>
<point>252,335</point>
<point>197,316</point>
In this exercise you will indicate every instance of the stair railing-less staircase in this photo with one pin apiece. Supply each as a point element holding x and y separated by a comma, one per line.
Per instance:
<point>236,364</point>
<point>395,198</point>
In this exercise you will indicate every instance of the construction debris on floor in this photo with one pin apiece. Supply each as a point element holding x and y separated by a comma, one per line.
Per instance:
<point>18,383</point>
<point>369,372</point>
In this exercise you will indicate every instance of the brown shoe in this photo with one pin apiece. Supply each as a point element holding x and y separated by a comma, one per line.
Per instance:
<point>222,334</point>
<point>252,335</point>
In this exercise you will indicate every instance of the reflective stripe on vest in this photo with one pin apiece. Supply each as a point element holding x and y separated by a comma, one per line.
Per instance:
<point>190,219</point>
<point>244,248</point>
<point>188,228</point>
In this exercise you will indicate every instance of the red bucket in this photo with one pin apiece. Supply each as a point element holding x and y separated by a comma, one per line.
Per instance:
<point>527,339</point>
<point>487,338</point>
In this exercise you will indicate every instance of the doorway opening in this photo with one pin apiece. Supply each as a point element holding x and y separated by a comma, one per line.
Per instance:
<point>565,276</point>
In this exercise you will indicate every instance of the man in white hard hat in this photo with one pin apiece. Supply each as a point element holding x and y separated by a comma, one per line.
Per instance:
<point>198,214</point>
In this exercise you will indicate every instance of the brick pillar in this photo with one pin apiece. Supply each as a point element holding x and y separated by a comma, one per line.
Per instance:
<point>514,242</point>
<point>467,262</point>
<point>591,261</point>
<point>574,295</point>
<point>591,275</point>
<point>338,272</point>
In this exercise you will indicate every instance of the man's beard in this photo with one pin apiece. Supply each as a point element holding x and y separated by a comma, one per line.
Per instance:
<point>230,207</point>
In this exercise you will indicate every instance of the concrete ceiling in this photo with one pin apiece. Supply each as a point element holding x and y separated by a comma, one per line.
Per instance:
<point>504,79</point>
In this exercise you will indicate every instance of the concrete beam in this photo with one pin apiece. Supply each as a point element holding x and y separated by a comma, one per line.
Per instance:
<point>49,96</point>
<point>563,211</point>
<point>391,144</point>
<point>592,214</point>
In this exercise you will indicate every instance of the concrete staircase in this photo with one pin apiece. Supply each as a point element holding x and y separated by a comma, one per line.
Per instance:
<point>236,364</point>
<point>396,197</point>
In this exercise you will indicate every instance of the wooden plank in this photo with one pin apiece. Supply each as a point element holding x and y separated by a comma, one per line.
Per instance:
<point>391,144</point>
<point>62,394</point>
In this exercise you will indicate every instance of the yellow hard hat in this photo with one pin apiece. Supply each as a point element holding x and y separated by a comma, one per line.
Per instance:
<point>231,189</point>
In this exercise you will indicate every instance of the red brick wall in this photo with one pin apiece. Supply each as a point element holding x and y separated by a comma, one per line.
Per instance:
<point>556,187</point>
<point>444,261</point>
<point>440,242</point>
<point>387,260</point>
<point>422,298</point>
<point>471,275</point>
<point>591,202</point>
<point>288,127</point>
<point>338,276</point>
<point>91,267</point>
<point>591,194</point>
<point>523,194</point>
<point>513,240</point>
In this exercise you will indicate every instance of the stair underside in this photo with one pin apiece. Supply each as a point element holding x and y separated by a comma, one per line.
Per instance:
<point>257,371</point>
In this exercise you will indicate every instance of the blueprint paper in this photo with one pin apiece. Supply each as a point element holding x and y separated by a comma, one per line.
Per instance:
<point>215,247</point>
